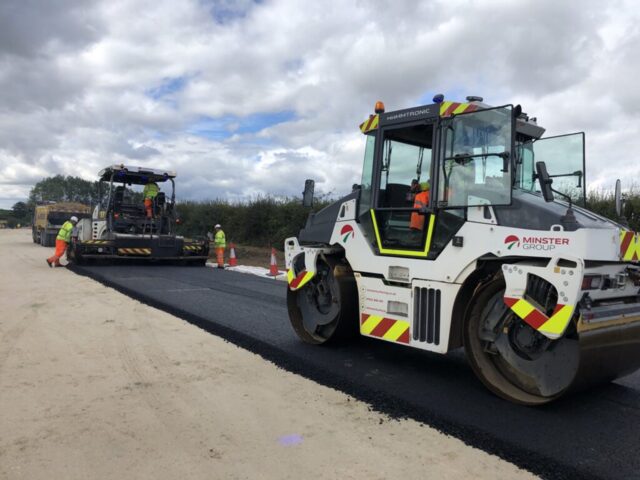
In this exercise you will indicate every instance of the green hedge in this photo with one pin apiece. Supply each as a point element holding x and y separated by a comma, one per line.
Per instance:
<point>267,221</point>
<point>261,222</point>
<point>603,202</point>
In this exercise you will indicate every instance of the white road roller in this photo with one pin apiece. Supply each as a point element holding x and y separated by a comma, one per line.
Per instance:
<point>454,238</point>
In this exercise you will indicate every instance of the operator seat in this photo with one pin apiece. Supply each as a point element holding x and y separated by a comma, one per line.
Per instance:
<point>396,196</point>
<point>158,203</point>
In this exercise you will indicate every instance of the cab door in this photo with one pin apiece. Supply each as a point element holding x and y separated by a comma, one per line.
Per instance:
<point>405,158</point>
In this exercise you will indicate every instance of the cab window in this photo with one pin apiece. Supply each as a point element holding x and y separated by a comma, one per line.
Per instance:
<point>476,169</point>
<point>406,162</point>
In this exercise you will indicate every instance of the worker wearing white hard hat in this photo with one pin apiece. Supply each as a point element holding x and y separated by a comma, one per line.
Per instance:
<point>62,241</point>
<point>220,243</point>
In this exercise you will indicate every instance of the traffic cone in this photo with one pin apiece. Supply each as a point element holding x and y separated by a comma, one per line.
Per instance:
<point>233,261</point>
<point>273,267</point>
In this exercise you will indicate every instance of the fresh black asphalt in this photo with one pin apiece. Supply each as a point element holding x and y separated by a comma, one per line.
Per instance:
<point>594,434</point>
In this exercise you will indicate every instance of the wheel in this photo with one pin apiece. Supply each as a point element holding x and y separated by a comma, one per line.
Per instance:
<point>74,256</point>
<point>34,237</point>
<point>48,240</point>
<point>326,308</point>
<point>511,358</point>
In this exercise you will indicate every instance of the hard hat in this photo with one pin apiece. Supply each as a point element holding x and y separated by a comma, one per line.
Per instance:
<point>424,186</point>
<point>74,219</point>
<point>217,226</point>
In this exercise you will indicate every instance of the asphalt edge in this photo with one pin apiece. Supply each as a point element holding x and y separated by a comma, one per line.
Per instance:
<point>394,408</point>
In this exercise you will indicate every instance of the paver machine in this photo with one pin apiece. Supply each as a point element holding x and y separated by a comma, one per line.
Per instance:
<point>120,227</point>
<point>503,258</point>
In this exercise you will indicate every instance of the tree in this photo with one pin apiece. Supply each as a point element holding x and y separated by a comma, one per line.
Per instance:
<point>20,210</point>
<point>64,189</point>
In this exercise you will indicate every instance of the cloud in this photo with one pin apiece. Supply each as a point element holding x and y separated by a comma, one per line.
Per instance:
<point>248,98</point>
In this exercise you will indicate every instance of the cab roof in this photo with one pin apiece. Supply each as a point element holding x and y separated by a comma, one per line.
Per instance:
<point>444,109</point>
<point>134,175</point>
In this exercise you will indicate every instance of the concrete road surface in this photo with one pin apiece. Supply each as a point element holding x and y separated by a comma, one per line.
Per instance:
<point>96,385</point>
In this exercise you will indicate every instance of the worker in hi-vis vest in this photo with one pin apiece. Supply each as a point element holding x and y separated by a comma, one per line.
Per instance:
<point>149,192</point>
<point>62,241</point>
<point>420,201</point>
<point>219,243</point>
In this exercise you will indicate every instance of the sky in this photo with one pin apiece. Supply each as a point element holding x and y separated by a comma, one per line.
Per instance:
<point>245,98</point>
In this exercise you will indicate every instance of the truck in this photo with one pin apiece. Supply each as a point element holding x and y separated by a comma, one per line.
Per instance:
<point>121,229</point>
<point>507,261</point>
<point>49,217</point>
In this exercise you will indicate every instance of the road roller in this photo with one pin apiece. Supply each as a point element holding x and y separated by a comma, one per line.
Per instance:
<point>469,229</point>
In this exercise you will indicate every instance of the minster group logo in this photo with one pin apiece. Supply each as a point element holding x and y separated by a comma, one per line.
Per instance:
<point>511,241</point>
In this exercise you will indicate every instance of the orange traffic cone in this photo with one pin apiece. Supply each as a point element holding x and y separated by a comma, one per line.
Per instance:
<point>273,267</point>
<point>233,261</point>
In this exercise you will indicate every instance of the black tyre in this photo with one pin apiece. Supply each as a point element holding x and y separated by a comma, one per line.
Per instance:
<point>49,240</point>
<point>326,308</point>
<point>511,358</point>
<point>74,256</point>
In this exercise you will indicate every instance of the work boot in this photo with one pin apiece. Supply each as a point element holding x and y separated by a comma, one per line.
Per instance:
<point>49,263</point>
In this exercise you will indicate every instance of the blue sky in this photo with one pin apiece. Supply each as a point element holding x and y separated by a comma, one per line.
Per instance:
<point>229,125</point>
<point>167,87</point>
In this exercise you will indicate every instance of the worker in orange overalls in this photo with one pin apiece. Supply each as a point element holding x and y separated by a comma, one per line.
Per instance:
<point>420,201</point>
<point>150,192</point>
<point>220,243</point>
<point>62,241</point>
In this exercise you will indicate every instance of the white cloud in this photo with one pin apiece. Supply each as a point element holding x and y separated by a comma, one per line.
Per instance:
<point>83,85</point>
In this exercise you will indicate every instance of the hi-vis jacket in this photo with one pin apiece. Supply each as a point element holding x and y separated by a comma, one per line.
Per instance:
<point>150,190</point>
<point>65,232</point>
<point>219,241</point>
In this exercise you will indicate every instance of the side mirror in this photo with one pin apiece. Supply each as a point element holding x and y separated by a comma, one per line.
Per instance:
<point>545,181</point>
<point>307,195</point>
<point>618,198</point>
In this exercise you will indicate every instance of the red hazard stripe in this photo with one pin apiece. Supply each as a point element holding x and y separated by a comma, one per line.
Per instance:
<point>471,108</point>
<point>510,302</point>
<point>363,318</point>
<point>451,108</point>
<point>404,338</point>
<point>368,125</point>
<point>626,241</point>
<point>536,319</point>
<point>382,328</point>
<point>296,281</point>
